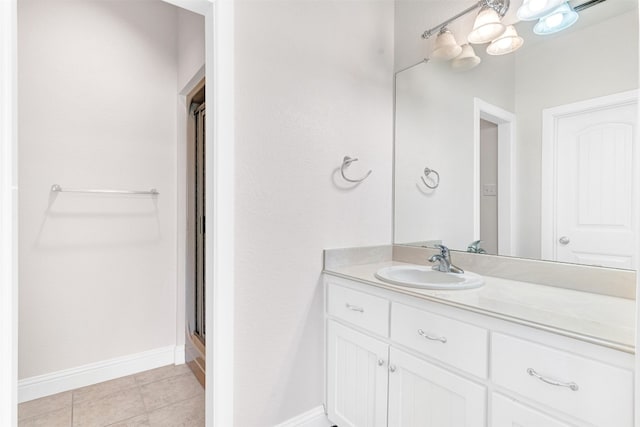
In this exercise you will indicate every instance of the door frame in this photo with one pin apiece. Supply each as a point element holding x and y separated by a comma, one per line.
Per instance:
<point>219,46</point>
<point>8,214</point>
<point>506,122</point>
<point>549,170</point>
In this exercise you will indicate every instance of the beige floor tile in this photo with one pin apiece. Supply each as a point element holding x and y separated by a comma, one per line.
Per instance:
<point>100,390</point>
<point>170,390</point>
<point>187,413</point>
<point>120,406</point>
<point>161,373</point>
<point>56,418</point>
<point>141,421</point>
<point>44,405</point>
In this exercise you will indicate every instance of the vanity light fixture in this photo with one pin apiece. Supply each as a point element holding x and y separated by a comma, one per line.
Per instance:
<point>559,19</point>
<point>486,27</point>
<point>536,9</point>
<point>446,47</point>
<point>500,7</point>
<point>466,60</point>
<point>508,42</point>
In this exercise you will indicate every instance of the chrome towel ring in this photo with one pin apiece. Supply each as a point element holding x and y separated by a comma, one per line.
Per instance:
<point>345,164</point>
<point>436,180</point>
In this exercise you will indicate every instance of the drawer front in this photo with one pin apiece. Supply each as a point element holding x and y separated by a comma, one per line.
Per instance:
<point>455,343</point>
<point>506,412</point>
<point>364,310</point>
<point>593,391</point>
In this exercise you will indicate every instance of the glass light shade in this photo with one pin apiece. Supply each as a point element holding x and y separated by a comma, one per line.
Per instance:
<point>508,42</point>
<point>486,27</point>
<point>536,9</point>
<point>446,47</point>
<point>559,19</point>
<point>466,60</point>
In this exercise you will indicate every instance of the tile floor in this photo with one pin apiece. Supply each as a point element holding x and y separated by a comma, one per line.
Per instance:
<point>165,397</point>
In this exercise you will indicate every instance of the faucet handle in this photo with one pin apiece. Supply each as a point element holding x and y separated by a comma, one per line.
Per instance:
<point>444,251</point>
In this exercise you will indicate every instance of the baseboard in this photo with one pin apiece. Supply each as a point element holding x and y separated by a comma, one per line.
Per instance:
<point>179,355</point>
<point>312,418</point>
<point>93,373</point>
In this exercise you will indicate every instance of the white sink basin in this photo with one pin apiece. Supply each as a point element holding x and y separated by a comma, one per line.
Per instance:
<point>417,276</point>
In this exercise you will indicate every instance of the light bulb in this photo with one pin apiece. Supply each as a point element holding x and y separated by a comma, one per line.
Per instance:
<point>537,5</point>
<point>554,20</point>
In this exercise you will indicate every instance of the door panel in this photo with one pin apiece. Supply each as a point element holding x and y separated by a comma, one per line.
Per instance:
<point>506,412</point>
<point>594,199</point>
<point>423,395</point>
<point>357,378</point>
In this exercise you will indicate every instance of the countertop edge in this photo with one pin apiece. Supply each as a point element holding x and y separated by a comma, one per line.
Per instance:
<point>567,333</point>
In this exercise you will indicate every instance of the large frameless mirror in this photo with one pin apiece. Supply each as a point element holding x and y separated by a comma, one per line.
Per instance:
<point>529,153</point>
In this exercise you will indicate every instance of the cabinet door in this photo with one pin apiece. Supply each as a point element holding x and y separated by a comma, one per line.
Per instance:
<point>357,378</point>
<point>424,395</point>
<point>506,412</point>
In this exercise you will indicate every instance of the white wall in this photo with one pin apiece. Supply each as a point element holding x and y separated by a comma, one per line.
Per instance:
<point>97,110</point>
<point>313,84</point>
<point>190,46</point>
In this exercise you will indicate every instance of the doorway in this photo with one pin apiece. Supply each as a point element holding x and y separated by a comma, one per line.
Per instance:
<point>495,196</point>
<point>195,340</point>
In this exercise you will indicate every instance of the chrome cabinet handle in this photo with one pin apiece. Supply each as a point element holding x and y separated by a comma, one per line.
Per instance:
<point>564,240</point>
<point>443,340</point>
<point>392,368</point>
<point>355,308</point>
<point>573,386</point>
<point>380,362</point>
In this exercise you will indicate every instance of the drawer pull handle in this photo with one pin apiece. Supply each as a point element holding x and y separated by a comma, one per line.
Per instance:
<point>573,386</point>
<point>355,308</point>
<point>443,340</point>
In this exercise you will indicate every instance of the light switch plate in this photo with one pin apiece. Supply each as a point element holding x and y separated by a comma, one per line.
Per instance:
<point>489,190</point>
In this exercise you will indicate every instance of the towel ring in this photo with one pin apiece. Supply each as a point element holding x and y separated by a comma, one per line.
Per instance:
<point>436,181</point>
<point>345,164</point>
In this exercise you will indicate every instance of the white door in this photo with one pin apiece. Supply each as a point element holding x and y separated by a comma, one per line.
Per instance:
<point>357,378</point>
<point>423,395</point>
<point>506,412</point>
<point>593,142</point>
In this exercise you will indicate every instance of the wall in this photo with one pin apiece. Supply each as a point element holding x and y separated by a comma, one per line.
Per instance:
<point>313,84</point>
<point>190,46</point>
<point>582,65</point>
<point>97,110</point>
<point>489,176</point>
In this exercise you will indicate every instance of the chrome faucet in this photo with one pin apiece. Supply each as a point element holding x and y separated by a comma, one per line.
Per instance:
<point>475,247</point>
<point>444,261</point>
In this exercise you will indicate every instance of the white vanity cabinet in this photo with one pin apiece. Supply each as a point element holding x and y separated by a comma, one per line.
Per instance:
<point>404,361</point>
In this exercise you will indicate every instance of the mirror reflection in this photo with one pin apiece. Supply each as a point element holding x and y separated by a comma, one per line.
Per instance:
<point>528,154</point>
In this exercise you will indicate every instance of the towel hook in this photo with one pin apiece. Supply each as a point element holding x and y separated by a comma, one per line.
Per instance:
<point>345,164</point>
<point>436,181</point>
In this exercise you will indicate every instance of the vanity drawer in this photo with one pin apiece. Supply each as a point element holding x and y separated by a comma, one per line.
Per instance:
<point>458,344</point>
<point>602,394</point>
<point>364,310</point>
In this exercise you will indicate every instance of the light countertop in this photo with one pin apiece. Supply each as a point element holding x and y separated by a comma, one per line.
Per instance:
<point>600,319</point>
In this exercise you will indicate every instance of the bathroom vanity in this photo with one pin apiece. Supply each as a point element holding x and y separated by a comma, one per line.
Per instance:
<point>508,353</point>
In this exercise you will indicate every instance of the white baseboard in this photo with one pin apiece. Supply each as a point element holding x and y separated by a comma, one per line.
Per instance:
<point>312,418</point>
<point>93,373</point>
<point>178,355</point>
